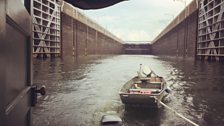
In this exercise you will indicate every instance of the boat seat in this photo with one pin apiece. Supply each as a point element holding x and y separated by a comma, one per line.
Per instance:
<point>145,78</point>
<point>155,79</point>
<point>155,82</point>
<point>156,85</point>
<point>144,89</point>
<point>151,79</point>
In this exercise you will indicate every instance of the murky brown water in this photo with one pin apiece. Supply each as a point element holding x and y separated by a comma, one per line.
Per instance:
<point>80,92</point>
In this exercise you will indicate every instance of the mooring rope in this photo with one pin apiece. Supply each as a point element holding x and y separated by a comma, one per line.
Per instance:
<point>178,114</point>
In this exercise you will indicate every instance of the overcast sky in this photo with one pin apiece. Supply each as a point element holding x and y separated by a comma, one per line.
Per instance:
<point>137,20</point>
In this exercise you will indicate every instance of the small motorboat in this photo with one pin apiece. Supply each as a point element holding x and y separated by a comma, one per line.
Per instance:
<point>111,120</point>
<point>144,89</point>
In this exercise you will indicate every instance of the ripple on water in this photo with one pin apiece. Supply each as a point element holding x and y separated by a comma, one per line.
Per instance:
<point>79,94</point>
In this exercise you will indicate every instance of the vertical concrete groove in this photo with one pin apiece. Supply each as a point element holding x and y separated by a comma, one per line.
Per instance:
<point>84,39</point>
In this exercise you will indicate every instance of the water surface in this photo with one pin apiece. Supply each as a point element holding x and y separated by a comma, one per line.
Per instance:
<point>79,92</point>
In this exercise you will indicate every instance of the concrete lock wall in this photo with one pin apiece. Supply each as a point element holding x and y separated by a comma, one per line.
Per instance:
<point>180,36</point>
<point>135,48</point>
<point>81,36</point>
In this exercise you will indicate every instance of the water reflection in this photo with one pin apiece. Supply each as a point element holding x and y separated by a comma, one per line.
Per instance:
<point>137,116</point>
<point>81,91</point>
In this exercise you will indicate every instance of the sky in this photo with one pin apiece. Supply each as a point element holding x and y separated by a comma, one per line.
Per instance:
<point>137,20</point>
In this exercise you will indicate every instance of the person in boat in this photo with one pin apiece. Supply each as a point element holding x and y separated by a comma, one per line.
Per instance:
<point>145,71</point>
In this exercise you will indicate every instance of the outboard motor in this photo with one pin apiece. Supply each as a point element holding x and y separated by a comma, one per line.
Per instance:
<point>168,90</point>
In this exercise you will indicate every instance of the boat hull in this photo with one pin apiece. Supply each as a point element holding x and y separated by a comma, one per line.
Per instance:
<point>139,99</point>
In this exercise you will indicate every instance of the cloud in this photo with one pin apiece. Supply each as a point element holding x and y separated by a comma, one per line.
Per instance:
<point>137,19</point>
<point>132,35</point>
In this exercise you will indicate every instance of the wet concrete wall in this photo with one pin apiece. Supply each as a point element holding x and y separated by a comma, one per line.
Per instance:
<point>82,37</point>
<point>180,36</point>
